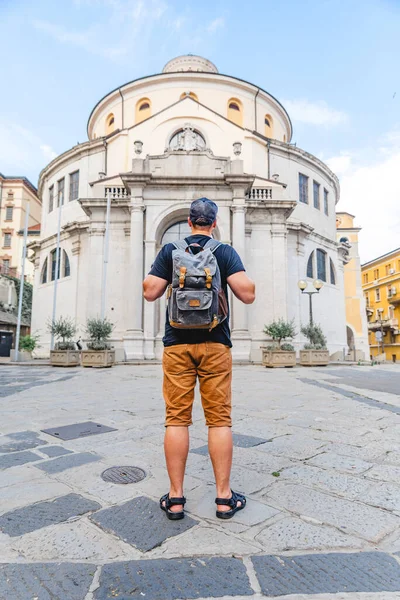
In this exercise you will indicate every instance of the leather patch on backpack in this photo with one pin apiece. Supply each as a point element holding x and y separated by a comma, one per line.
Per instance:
<point>194,302</point>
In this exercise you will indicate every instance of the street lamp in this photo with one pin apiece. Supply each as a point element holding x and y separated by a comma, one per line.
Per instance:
<point>318,285</point>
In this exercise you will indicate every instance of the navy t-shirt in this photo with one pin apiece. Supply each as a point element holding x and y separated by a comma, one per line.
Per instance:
<point>229,262</point>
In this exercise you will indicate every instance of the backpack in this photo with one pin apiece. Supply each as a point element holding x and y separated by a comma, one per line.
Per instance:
<point>195,297</point>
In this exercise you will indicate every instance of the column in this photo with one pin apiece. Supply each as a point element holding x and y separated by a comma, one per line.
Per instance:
<point>279,269</point>
<point>149,307</point>
<point>96,249</point>
<point>133,340</point>
<point>240,332</point>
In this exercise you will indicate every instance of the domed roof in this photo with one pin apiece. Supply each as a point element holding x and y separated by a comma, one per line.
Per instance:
<point>189,62</point>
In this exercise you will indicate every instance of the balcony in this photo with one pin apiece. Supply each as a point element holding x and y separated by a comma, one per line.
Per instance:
<point>385,324</point>
<point>259,194</point>
<point>116,192</point>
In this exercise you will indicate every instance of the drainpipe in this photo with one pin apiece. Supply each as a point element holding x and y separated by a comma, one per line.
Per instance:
<point>123,110</point>
<point>255,109</point>
<point>269,159</point>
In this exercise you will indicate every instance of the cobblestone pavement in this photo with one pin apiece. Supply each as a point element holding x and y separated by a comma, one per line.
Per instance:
<point>317,452</point>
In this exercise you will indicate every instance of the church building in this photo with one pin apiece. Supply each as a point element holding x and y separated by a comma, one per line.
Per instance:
<point>154,145</point>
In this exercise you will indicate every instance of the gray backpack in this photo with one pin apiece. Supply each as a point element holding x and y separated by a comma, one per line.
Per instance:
<point>196,299</point>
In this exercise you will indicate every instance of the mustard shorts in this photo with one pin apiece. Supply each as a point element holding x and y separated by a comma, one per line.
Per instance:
<point>212,364</point>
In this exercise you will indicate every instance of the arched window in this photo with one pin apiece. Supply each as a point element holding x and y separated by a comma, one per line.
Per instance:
<point>310,266</point>
<point>176,232</point>
<point>54,263</point>
<point>284,137</point>
<point>190,95</point>
<point>43,275</point>
<point>268,122</point>
<point>143,110</point>
<point>235,111</point>
<point>321,264</point>
<point>344,240</point>
<point>332,272</point>
<point>110,124</point>
<point>67,267</point>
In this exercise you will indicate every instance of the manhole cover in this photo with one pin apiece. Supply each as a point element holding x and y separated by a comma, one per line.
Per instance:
<point>78,430</point>
<point>123,475</point>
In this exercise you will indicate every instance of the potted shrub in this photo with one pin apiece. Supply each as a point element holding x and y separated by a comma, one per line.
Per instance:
<point>279,354</point>
<point>315,352</point>
<point>99,352</point>
<point>27,345</point>
<point>65,353</point>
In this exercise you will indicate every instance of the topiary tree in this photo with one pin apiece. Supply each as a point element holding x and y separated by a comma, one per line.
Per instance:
<point>99,331</point>
<point>315,336</point>
<point>280,330</point>
<point>64,329</point>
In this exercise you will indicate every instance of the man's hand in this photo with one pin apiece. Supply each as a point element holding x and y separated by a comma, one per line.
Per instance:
<point>243,287</point>
<point>153,287</point>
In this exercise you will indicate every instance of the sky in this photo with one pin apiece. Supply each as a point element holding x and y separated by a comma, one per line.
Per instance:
<point>334,65</point>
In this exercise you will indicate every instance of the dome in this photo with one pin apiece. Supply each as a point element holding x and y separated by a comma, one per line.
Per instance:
<point>189,62</point>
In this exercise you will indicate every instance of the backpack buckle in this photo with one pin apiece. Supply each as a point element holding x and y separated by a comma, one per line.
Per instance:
<point>208,278</point>
<point>182,277</point>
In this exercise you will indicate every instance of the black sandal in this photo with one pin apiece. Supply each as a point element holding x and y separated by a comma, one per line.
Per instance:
<point>173,516</point>
<point>233,503</point>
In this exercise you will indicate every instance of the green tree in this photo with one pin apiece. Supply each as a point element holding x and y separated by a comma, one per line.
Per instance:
<point>64,329</point>
<point>280,330</point>
<point>99,332</point>
<point>315,336</point>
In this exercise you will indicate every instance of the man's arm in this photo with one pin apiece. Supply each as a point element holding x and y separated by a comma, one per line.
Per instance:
<point>243,287</point>
<point>153,287</point>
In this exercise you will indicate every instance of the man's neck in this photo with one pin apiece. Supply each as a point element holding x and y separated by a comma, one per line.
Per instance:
<point>201,232</point>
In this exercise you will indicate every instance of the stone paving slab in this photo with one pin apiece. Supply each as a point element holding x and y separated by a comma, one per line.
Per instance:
<point>351,517</point>
<point>43,581</point>
<point>291,533</point>
<point>141,523</point>
<point>296,447</point>
<point>327,573</point>
<point>68,462</point>
<point>336,462</point>
<point>21,440</point>
<point>239,440</point>
<point>162,579</point>
<point>15,459</point>
<point>53,451</point>
<point>42,514</point>
<point>30,492</point>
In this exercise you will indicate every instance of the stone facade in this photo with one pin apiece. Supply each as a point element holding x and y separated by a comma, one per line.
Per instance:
<point>200,134</point>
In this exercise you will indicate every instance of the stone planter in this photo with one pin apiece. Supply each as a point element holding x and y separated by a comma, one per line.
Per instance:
<point>278,358</point>
<point>98,358</point>
<point>314,358</point>
<point>64,358</point>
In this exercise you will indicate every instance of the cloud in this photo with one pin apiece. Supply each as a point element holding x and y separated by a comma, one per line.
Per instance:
<point>340,164</point>
<point>218,23</point>
<point>22,152</point>
<point>314,113</point>
<point>371,192</point>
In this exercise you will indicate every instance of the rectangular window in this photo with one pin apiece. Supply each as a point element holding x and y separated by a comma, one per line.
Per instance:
<point>303,188</point>
<point>321,265</point>
<point>51,198</point>
<point>365,277</point>
<point>316,187</point>
<point>6,266</point>
<point>389,291</point>
<point>7,240</point>
<point>326,202</point>
<point>376,274</point>
<point>74,186</point>
<point>367,300</point>
<point>377,295</point>
<point>387,269</point>
<point>60,192</point>
<point>9,213</point>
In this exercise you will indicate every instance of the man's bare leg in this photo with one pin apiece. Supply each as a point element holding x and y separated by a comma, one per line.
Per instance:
<point>176,447</point>
<point>220,447</point>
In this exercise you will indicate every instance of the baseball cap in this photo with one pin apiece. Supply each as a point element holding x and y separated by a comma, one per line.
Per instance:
<point>203,211</point>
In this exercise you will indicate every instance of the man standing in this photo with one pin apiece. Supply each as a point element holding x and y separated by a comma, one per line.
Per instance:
<point>204,354</point>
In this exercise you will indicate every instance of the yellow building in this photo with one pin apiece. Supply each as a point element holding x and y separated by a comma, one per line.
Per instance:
<point>381,286</point>
<point>356,319</point>
<point>15,193</point>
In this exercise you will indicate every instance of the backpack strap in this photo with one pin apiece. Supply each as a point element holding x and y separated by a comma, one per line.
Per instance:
<point>212,245</point>
<point>180,244</point>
